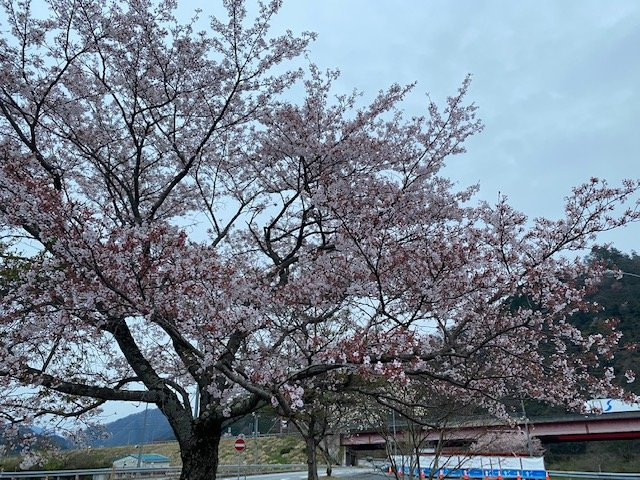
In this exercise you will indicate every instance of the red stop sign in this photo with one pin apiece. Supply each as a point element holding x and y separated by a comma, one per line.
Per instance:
<point>239,445</point>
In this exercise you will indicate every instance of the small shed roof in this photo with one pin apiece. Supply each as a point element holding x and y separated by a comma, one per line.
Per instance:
<point>147,457</point>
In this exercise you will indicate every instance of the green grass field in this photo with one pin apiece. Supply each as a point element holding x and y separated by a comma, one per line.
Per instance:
<point>271,450</point>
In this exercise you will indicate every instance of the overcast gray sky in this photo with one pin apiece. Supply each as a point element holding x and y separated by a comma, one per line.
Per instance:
<point>556,82</point>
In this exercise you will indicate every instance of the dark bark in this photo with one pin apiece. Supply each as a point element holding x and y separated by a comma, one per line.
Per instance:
<point>312,437</point>
<point>314,432</point>
<point>312,460</point>
<point>199,453</point>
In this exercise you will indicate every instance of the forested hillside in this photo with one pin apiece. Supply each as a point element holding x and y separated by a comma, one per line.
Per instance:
<point>619,297</point>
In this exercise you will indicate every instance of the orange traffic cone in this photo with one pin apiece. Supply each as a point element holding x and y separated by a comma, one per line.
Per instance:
<point>466,475</point>
<point>499,474</point>
<point>440,475</point>
<point>389,470</point>
<point>546,477</point>
<point>486,475</point>
<point>422,474</point>
<point>518,477</point>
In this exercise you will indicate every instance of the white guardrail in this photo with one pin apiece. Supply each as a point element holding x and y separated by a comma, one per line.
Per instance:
<point>169,473</point>
<point>601,475</point>
<point>165,473</point>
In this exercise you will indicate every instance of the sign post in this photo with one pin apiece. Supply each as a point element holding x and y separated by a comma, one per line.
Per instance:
<point>239,445</point>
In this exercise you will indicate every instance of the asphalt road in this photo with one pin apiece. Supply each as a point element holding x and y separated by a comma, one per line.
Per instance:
<point>352,473</point>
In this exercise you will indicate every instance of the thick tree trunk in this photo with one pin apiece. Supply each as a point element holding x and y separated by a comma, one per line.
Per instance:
<point>200,455</point>
<point>312,460</point>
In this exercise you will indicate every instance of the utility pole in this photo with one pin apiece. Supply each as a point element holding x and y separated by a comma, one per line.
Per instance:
<point>144,434</point>
<point>393,424</point>
<point>255,437</point>
<point>196,403</point>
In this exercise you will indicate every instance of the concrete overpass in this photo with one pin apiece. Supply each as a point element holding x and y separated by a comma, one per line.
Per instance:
<point>565,428</point>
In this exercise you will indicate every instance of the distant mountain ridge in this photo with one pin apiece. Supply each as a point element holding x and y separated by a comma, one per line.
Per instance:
<point>43,439</point>
<point>133,429</point>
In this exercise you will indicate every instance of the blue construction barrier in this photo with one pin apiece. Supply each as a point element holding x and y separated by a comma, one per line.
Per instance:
<point>480,473</point>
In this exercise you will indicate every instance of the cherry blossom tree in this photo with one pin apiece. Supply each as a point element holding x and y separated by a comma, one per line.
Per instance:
<point>174,221</point>
<point>508,442</point>
<point>412,420</point>
<point>332,405</point>
<point>322,416</point>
